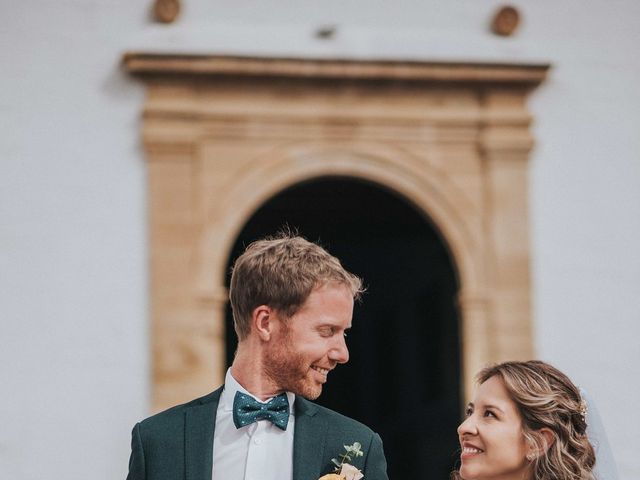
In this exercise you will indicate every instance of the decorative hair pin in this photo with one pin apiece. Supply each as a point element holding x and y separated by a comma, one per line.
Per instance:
<point>583,410</point>
<point>582,413</point>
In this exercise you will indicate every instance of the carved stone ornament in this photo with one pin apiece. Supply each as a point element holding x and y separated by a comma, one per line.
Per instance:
<point>505,21</point>
<point>166,11</point>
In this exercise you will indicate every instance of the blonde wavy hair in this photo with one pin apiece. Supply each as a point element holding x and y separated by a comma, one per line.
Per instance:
<point>547,398</point>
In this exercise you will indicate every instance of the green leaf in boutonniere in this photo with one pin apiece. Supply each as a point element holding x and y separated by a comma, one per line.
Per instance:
<point>344,470</point>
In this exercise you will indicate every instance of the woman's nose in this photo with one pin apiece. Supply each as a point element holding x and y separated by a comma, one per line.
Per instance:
<point>468,426</point>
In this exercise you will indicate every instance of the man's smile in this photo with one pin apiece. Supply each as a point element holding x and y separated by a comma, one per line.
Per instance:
<point>322,371</point>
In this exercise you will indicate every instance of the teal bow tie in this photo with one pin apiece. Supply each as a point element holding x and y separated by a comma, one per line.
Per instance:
<point>247,410</point>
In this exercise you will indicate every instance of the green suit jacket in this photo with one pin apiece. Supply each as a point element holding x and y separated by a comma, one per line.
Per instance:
<point>177,444</point>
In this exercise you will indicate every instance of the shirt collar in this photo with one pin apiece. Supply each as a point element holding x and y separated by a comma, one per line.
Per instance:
<point>231,386</point>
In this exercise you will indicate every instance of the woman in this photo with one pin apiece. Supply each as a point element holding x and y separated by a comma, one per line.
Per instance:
<point>527,421</point>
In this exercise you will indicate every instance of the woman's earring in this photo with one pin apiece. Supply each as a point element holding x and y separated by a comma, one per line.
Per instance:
<point>531,456</point>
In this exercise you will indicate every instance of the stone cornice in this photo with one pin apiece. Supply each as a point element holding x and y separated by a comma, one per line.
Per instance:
<point>154,64</point>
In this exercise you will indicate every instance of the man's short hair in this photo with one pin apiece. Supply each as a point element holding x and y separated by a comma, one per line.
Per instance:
<point>281,272</point>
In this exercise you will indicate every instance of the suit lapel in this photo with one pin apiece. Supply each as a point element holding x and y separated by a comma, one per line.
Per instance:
<point>200,421</point>
<point>308,441</point>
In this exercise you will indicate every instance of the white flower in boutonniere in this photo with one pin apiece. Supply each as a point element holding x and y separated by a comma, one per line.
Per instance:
<point>344,470</point>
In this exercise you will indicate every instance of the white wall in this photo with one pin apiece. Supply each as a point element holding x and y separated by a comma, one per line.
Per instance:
<point>73,246</point>
<point>73,292</point>
<point>585,201</point>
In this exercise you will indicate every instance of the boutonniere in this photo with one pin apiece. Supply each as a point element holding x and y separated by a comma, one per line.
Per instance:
<point>344,470</point>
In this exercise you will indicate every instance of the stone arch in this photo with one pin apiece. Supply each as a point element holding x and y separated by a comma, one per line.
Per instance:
<point>420,184</point>
<point>427,189</point>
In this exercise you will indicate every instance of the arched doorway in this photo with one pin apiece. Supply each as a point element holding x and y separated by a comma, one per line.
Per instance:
<point>403,378</point>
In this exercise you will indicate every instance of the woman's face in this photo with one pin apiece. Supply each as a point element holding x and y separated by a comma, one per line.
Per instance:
<point>491,437</point>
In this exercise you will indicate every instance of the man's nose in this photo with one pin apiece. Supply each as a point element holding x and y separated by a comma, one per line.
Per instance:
<point>340,353</point>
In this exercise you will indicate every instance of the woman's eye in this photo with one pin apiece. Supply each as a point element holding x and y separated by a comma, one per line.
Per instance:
<point>468,412</point>
<point>489,413</point>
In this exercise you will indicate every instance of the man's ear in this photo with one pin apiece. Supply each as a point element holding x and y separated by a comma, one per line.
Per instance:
<point>262,319</point>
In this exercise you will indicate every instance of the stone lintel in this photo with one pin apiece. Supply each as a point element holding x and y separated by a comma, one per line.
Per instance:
<point>152,64</point>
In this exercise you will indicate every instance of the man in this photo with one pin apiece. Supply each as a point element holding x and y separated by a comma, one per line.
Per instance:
<point>292,305</point>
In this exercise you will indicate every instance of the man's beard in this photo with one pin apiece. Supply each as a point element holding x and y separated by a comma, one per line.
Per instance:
<point>289,370</point>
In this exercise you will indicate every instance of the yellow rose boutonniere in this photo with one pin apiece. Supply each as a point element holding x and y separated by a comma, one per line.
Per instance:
<point>344,470</point>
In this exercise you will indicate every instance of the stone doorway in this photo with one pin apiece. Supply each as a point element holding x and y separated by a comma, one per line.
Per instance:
<point>223,135</point>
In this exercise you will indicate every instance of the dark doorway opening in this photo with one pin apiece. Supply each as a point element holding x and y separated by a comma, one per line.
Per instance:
<point>403,377</point>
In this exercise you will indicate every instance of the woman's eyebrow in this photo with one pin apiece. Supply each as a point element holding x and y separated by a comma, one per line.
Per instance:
<point>495,407</point>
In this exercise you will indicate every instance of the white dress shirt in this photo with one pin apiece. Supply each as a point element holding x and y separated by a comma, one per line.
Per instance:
<point>256,452</point>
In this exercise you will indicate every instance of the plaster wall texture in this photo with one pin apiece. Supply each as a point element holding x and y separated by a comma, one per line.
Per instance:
<point>73,246</point>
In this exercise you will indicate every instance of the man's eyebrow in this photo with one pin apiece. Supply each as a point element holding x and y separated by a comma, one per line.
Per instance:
<point>325,326</point>
<point>333,325</point>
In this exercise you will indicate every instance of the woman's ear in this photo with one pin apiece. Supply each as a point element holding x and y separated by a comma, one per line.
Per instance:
<point>548,438</point>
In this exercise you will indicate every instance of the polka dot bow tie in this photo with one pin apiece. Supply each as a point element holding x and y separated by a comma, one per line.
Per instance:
<point>247,410</point>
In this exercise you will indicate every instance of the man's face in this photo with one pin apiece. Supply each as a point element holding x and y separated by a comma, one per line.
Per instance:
<point>311,343</point>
